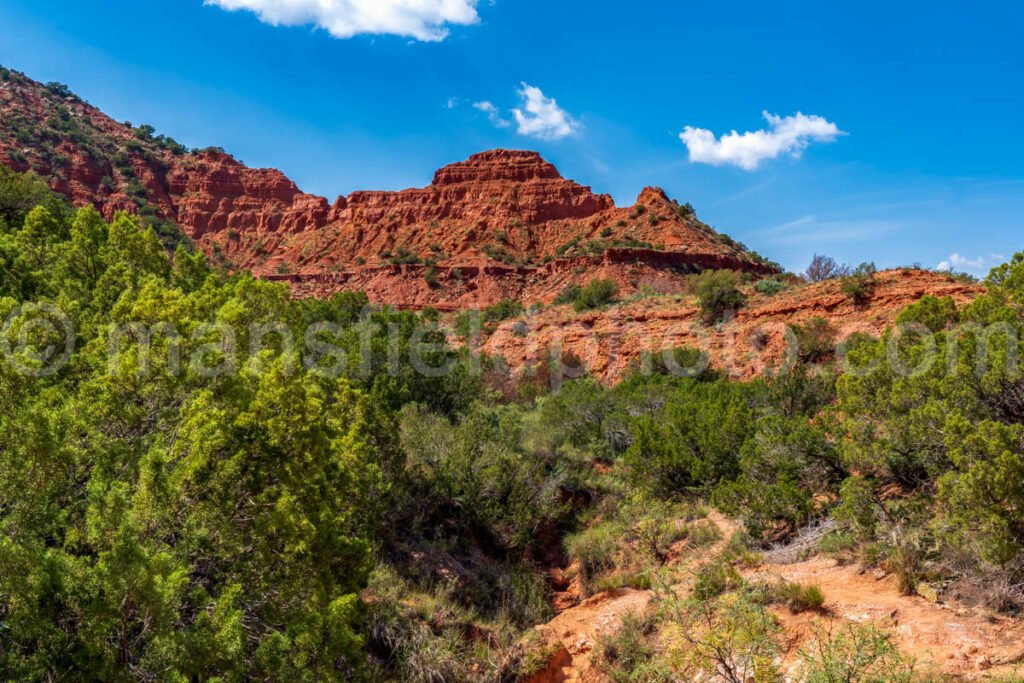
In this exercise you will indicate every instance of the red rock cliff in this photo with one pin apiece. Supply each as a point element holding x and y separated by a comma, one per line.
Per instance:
<point>510,209</point>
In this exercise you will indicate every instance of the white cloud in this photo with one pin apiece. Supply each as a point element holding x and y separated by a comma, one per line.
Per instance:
<point>425,20</point>
<point>493,113</point>
<point>542,118</point>
<point>786,135</point>
<point>962,263</point>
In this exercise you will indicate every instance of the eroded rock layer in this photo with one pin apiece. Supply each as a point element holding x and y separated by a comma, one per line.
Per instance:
<point>499,223</point>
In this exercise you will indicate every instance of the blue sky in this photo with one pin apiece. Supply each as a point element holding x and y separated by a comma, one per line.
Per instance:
<point>916,153</point>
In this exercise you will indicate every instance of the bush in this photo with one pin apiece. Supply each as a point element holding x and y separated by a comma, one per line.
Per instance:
<point>595,295</point>
<point>426,636</point>
<point>627,654</point>
<point>682,361</point>
<point>718,293</point>
<point>905,558</point>
<point>403,256</point>
<point>430,275</point>
<point>594,549</point>
<point>854,652</point>
<point>686,210</point>
<point>733,638</point>
<point>716,577</point>
<point>568,295</point>
<point>860,284</point>
<point>61,90</point>
<point>655,528</point>
<point>503,310</point>
<point>693,441</point>
<point>837,544</point>
<point>858,510</point>
<point>769,286</point>
<point>766,508</point>
<point>796,597</point>
<point>824,268</point>
<point>982,497</point>
<point>499,253</point>
<point>934,313</point>
<point>815,341</point>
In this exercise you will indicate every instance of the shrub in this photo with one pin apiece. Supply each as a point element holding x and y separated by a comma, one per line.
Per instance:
<point>499,253</point>
<point>982,497</point>
<point>568,246</point>
<point>798,598</point>
<point>837,544</point>
<point>503,310</point>
<point>858,511</point>
<point>766,507</point>
<point>595,295</point>
<point>730,639</point>
<point>716,577</point>
<point>430,275</point>
<point>860,284</point>
<point>686,210</point>
<point>692,442</point>
<point>145,132</point>
<point>824,268</point>
<point>427,636</point>
<point>627,654</point>
<point>906,558</point>
<point>403,256</point>
<point>682,361</point>
<point>854,652</point>
<point>594,549</point>
<point>769,286</point>
<point>718,293</point>
<point>815,340</point>
<point>934,313</point>
<point>61,90</point>
<point>655,528</point>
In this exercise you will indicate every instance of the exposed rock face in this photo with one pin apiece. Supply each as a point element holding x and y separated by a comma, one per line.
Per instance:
<point>213,193</point>
<point>491,188</point>
<point>501,223</point>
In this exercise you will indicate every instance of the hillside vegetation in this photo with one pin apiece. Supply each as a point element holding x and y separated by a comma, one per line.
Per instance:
<point>202,478</point>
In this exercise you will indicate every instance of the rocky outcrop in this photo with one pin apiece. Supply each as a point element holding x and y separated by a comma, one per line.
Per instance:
<point>212,193</point>
<point>493,188</point>
<point>501,223</point>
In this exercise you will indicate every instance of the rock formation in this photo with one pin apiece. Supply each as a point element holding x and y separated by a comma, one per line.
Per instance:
<point>502,223</point>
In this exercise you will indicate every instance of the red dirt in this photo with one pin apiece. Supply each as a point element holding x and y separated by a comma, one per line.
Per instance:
<point>963,643</point>
<point>959,643</point>
<point>610,341</point>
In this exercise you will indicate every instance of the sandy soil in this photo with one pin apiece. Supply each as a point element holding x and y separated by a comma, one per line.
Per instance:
<point>958,642</point>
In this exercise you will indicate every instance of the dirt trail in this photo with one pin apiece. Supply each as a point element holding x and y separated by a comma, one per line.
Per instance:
<point>961,643</point>
<point>967,644</point>
<point>574,633</point>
